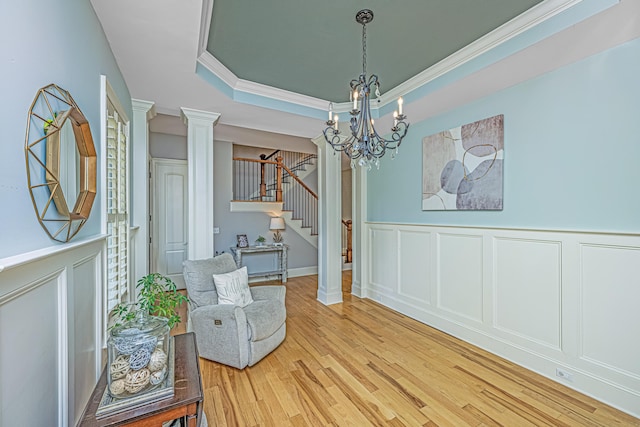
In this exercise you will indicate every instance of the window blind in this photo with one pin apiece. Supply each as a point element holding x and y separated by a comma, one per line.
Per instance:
<point>117,209</point>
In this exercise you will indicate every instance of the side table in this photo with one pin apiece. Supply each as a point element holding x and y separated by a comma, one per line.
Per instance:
<point>280,251</point>
<point>186,401</point>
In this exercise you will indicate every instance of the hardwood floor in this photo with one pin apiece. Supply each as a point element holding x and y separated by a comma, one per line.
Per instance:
<point>359,364</point>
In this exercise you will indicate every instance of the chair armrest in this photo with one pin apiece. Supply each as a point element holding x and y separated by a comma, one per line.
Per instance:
<point>221,334</point>
<point>268,292</point>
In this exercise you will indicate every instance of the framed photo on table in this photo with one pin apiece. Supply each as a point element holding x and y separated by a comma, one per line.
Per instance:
<point>243,242</point>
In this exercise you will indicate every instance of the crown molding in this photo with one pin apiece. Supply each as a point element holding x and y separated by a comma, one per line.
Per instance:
<point>523,22</point>
<point>205,25</point>
<point>518,25</point>
<point>259,89</point>
<point>216,67</point>
<point>212,64</point>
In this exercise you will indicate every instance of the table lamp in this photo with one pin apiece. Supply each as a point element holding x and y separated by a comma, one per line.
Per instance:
<point>277,224</point>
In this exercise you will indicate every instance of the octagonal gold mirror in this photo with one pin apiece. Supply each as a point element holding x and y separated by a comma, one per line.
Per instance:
<point>61,163</point>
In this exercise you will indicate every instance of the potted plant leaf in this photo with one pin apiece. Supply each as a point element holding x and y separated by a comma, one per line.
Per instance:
<point>158,296</point>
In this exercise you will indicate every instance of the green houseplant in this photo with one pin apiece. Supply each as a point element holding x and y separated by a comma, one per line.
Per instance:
<point>260,241</point>
<point>158,296</point>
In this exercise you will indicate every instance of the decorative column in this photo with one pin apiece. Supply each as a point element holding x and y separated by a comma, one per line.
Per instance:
<point>359,217</point>
<point>200,180</point>
<point>330,223</point>
<point>143,111</point>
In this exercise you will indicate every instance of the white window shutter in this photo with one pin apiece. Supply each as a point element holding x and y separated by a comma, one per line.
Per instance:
<point>117,209</point>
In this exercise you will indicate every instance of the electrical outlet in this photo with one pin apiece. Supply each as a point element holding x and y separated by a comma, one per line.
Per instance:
<point>565,375</point>
<point>216,230</point>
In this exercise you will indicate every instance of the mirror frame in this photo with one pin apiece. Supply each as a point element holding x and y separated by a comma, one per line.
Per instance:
<point>50,110</point>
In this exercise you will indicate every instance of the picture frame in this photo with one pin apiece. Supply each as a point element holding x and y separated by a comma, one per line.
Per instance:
<point>462,167</point>
<point>243,242</point>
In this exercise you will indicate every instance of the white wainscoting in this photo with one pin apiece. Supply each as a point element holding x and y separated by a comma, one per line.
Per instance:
<point>50,340</point>
<point>543,299</point>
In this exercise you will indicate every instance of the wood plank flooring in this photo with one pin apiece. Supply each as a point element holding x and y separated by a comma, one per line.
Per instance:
<point>360,364</point>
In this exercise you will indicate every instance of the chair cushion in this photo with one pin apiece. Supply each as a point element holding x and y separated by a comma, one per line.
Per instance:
<point>198,276</point>
<point>264,317</point>
<point>233,288</point>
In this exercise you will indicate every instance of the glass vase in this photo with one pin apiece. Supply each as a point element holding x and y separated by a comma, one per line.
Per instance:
<point>138,356</point>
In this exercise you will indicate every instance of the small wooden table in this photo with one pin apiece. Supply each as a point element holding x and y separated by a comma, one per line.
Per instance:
<point>186,401</point>
<point>280,251</point>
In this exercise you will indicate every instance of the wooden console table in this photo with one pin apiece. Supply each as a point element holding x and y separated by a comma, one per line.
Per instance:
<point>186,401</point>
<point>279,251</point>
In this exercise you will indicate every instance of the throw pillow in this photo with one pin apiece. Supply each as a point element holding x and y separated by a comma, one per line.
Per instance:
<point>233,288</point>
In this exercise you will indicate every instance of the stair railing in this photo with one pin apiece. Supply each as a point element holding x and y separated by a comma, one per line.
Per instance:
<point>250,177</point>
<point>301,201</point>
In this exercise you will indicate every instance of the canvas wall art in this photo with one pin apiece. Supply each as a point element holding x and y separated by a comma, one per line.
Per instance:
<point>462,168</point>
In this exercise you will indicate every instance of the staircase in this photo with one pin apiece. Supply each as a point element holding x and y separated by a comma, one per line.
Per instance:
<point>275,182</point>
<point>301,205</point>
<point>281,171</point>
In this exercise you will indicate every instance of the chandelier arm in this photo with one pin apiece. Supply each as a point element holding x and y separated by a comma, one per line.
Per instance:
<point>398,132</point>
<point>333,138</point>
<point>373,81</point>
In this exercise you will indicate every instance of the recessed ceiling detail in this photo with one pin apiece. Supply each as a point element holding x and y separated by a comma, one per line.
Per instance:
<point>316,47</point>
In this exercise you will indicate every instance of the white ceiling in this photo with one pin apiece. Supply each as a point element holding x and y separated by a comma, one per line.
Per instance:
<point>156,45</point>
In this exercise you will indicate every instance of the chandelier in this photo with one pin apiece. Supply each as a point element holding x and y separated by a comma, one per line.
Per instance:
<point>365,145</point>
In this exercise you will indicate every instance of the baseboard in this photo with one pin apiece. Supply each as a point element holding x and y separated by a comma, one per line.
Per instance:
<point>313,269</point>
<point>291,272</point>
<point>303,271</point>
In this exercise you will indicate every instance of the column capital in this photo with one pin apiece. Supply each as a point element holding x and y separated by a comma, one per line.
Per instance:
<point>148,107</point>
<point>189,114</point>
<point>319,140</point>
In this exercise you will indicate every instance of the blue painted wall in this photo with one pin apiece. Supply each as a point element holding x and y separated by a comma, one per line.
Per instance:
<point>572,149</point>
<point>43,42</point>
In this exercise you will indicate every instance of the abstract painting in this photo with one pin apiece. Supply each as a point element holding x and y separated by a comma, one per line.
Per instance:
<point>462,167</point>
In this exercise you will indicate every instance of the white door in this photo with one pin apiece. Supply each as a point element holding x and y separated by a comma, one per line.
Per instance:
<point>169,218</point>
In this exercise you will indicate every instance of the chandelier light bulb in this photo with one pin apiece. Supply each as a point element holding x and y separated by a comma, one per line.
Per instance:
<point>400,102</point>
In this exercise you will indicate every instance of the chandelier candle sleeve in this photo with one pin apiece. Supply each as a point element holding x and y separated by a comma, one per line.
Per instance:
<point>365,145</point>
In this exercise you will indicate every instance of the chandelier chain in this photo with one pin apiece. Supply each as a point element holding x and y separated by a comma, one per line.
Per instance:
<point>364,49</point>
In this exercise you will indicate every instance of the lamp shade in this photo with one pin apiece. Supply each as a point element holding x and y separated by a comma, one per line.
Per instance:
<point>276,223</point>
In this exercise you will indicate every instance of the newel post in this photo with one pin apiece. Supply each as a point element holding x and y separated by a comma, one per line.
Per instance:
<point>349,247</point>
<point>279,172</point>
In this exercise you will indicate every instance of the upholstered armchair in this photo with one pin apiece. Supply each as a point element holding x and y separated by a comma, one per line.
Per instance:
<point>229,334</point>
